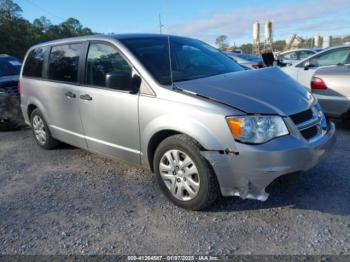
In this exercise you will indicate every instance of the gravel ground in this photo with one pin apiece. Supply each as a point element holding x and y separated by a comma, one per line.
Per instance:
<point>68,201</point>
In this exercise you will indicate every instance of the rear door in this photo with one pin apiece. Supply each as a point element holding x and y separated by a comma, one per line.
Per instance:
<point>61,93</point>
<point>109,116</point>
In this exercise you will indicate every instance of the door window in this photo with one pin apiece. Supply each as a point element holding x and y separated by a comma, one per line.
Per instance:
<point>34,63</point>
<point>333,57</point>
<point>64,62</point>
<point>289,56</point>
<point>304,54</point>
<point>104,59</point>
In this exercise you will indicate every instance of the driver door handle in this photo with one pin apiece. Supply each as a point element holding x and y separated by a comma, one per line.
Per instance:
<point>69,94</point>
<point>86,97</point>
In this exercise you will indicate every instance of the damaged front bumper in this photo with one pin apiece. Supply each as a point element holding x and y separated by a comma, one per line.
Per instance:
<point>247,172</point>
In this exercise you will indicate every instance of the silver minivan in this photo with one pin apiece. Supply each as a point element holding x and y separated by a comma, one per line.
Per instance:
<point>200,122</point>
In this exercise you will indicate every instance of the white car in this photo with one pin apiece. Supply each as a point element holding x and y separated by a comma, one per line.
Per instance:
<point>293,56</point>
<point>304,70</point>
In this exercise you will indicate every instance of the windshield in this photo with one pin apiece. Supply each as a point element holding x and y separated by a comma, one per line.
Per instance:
<point>9,66</point>
<point>190,59</point>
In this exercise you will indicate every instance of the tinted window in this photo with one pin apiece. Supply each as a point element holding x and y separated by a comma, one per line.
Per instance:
<point>304,54</point>
<point>289,56</point>
<point>34,63</point>
<point>339,56</point>
<point>104,59</point>
<point>332,57</point>
<point>64,62</point>
<point>190,59</point>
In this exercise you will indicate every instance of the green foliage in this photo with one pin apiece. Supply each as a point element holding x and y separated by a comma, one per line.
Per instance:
<point>246,48</point>
<point>18,34</point>
<point>221,42</point>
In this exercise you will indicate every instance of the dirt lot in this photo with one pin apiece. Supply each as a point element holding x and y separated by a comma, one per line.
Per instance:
<point>68,201</point>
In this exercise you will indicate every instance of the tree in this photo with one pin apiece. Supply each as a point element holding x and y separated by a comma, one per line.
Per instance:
<point>221,42</point>
<point>42,24</point>
<point>9,10</point>
<point>279,45</point>
<point>247,48</point>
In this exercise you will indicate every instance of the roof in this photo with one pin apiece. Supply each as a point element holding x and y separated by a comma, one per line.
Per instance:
<point>100,37</point>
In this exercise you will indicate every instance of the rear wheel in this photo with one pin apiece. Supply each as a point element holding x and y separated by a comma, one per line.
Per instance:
<point>41,131</point>
<point>183,174</point>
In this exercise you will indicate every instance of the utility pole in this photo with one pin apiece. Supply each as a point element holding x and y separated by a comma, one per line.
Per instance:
<point>160,24</point>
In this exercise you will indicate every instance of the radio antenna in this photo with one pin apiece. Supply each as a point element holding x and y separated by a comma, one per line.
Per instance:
<point>170,64</point>
<point>160,25</point>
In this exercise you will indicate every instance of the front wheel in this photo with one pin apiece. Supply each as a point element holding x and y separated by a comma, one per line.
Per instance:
<point>183,174</point>
<point>41,131</point>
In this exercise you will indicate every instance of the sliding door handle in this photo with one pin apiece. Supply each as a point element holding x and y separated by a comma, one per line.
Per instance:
<point>86,97</point>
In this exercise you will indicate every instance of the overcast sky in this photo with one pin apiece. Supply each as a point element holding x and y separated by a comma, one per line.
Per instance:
<point>203,19</point>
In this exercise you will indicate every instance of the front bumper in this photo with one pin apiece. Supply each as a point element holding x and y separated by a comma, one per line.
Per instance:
<point>10,109</point>
<point>249,171</point>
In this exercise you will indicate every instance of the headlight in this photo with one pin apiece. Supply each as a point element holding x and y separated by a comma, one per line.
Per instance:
<point>256,129</point>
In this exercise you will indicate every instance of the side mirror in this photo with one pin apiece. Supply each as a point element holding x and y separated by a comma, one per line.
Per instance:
<point>121,80</point>
<point>307,65</point>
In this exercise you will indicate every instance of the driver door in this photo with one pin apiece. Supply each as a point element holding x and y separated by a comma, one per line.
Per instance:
<point>109,116</point>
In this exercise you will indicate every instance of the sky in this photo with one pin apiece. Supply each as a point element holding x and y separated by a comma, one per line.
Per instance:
<point>202,19</point>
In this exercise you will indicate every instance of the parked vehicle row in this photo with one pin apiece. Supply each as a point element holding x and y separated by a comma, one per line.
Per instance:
<point>247,60</point>
<point>305,69</point>
<point>291,57</point>
<point>10,113</point>
<point>192,115</point>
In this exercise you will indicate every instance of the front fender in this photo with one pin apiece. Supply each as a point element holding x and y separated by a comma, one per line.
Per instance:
<point>188,126</point>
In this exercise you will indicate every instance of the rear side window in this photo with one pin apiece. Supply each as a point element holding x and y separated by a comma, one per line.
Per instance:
<point>34,63</point>
<point>64,63</point>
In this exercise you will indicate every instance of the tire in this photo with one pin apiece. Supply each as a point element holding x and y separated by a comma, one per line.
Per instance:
<point>41,132</point>
<point>191,183</point>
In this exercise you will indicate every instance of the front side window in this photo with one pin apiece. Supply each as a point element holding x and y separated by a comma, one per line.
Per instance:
<point>340,56</point>
<point>177,59</point>
<point>64,63</point>
<point>34,63</point>
<point>332,57</point>
<point>289,56</point>
<point>104,60</point>
<point>304,54</point>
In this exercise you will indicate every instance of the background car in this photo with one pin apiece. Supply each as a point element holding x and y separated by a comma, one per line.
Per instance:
<point>10,112</point>
<point>331,86</point>
<point>305,69</point>
<point>293,56</point>
<point>247,60</point>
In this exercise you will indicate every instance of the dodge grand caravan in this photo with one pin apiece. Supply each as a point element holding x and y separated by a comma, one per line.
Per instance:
<point>199,121</point>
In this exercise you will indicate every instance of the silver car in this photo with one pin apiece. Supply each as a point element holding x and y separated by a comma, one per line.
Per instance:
<point>293,56</point>
<point>200,122</point>
<point>331,86</point>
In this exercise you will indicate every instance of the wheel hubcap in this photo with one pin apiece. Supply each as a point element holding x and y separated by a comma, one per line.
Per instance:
<point>39,129</point>
<point>179,174</point>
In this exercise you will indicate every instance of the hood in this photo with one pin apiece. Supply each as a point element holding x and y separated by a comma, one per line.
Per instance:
<point>8,81</point>
<point>262,91</point>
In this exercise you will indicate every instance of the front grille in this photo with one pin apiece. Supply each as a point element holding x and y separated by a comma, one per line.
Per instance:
<point>309,132</point>
<point>308,122</point>
<point>302,117</point>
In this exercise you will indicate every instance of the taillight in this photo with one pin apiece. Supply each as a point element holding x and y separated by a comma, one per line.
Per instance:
<point>19,87</point>
<point>318,83</point>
